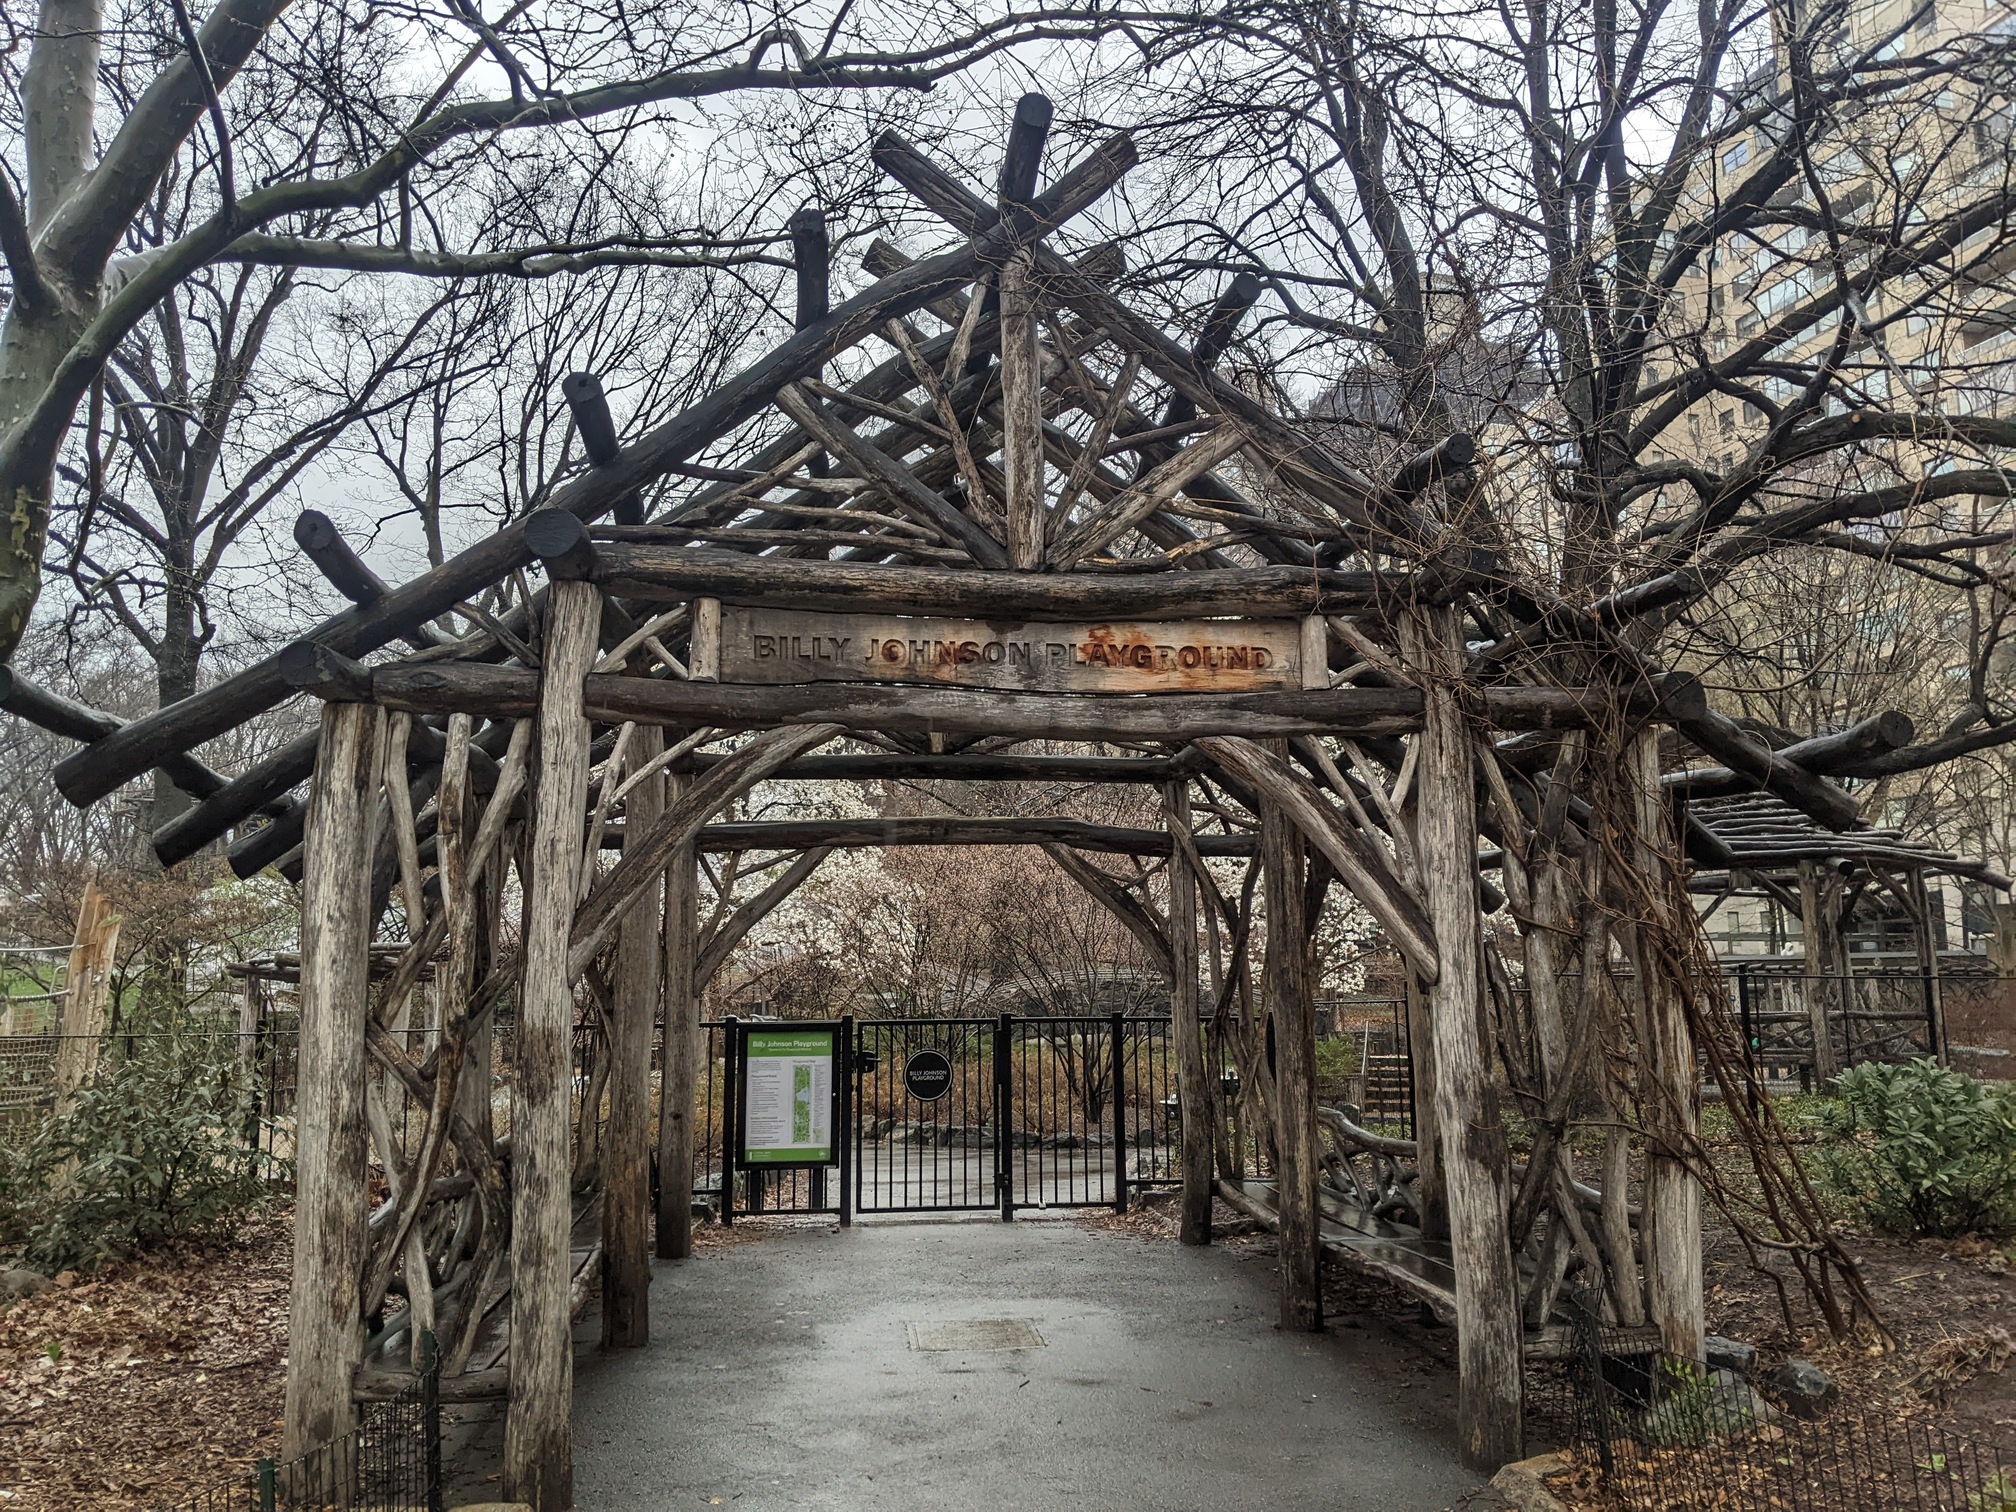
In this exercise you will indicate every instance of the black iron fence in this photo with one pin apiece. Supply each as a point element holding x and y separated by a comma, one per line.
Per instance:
<point>1666,1432</point>
<point>391,1462</point>
<point>1038,1113</point>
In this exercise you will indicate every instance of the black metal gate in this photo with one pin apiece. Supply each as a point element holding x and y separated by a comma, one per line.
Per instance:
<point>966,1115</point>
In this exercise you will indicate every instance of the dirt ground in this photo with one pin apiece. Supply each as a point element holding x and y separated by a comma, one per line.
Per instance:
<point>157,1379</point>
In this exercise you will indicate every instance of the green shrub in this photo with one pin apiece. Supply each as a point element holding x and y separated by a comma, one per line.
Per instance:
<point>149,1149</point>
<point>1924,1150</point>
<point>1336,1064</point>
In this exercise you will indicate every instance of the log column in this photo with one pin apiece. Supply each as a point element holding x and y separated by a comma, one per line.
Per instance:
<point>1820,935</point>
<point>538,1454</point>
<point>1294,1017</point>
<point>682,1052</point>
<point>1193,1081</point>
<point>1475,1162</point>
<point>626,1210</point>
<point>325,1335</point>
<point>1672,1206</point>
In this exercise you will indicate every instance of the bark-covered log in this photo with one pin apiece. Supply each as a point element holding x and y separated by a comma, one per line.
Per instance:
<point>680,1076</point>
<point>947,829</point>
<point>642,570</point>
<point>538,1450</point>
<point>348,573</point>
<point>1194,1101</point>
<point>1746,755</point>
<point>991,768</point>
<point>507,692</point>
<point>626,1185</point>
<point>1476,1162</point>
<point>1293,1013</point>
<point>75,721</point>
<point>325,1332</point>
<point>262,786</point>
<point>1823,755</point>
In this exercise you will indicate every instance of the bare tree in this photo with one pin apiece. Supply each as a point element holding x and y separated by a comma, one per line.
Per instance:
<point>347,136</point>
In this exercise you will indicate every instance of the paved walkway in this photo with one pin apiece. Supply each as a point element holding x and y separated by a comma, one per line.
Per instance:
<point>783,1375</point>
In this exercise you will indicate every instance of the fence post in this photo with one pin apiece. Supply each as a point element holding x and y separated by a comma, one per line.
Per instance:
<point>1117,1027</point>
<point>731,1071</point>
<point>1004,1115</point>
<point>850,1119</point>
<point>269,1485</point>
<point>430,1416</point>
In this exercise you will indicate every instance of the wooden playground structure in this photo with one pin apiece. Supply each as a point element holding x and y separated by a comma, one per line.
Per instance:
<point>1036,517</point>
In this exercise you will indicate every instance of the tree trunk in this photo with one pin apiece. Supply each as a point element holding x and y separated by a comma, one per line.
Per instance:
<point>325,1336</point>
<point>538,1454</point>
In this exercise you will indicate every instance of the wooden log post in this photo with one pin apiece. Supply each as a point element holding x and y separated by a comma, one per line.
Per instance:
<point>626,1201</point>
<point>1476,1165</point>
<point>1294,1019</point>
<point>1434,1196</point>
<point>325,1335</point>
<point>1671,1223</point>
<point>681,1074</point>
<point>1021,372</point>
<point>538,1454</point>
<point>1195,1102</point>
<point>1820,937</point>
<point>1929,932</point>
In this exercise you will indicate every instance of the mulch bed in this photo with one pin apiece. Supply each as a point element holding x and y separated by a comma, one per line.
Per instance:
<point>156,1379</point>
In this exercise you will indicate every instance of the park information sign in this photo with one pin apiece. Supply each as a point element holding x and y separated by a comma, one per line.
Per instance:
<point>1147,656</point>
<point>787,1095</point>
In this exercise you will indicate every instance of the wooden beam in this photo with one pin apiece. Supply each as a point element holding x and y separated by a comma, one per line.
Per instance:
<point>990,768</point>
<point>1743,753</point>
<point>538,1450</point>
<point>325,1333</point>
<point>263,786</point>
<point>1195,1103</point>
<point>673,574</point>
<point>946,829</point>
<point>681,1059</point>
<point>1286,976</point>
<point>1823,755</point>
<point>1476,1162</point>
<point>509,693</point>
<point>626,1160</point>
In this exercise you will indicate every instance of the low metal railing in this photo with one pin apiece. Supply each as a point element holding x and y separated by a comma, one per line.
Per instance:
<point>391,1462</point>
<point>1663,1431</point>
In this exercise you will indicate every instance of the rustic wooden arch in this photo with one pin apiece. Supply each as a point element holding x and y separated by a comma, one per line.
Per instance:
<point>968,475</point>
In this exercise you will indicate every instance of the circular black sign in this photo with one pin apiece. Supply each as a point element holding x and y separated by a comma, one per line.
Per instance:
<point>927,1075</point>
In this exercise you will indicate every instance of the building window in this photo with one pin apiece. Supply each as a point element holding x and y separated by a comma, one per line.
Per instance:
<point>1735,157</point>
<point>1726,422</point>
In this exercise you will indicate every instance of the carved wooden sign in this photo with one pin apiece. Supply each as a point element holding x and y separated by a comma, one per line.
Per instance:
<point>1155,656</point>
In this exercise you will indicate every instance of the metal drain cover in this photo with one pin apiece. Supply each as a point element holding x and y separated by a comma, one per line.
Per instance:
<point>974,1334</point>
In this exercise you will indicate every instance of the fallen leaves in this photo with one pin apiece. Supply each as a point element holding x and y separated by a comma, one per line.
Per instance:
<point>159,1378</point>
